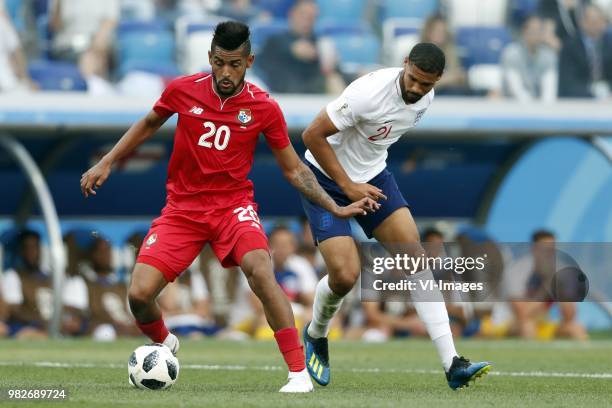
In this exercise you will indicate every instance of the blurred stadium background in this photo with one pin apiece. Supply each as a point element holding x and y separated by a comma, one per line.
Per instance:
<point>494,158</point>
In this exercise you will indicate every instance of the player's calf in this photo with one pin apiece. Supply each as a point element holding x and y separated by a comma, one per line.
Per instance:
<point>145,285</point>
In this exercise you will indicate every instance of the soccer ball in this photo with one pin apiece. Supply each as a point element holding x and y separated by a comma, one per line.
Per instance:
<point>153,367</point>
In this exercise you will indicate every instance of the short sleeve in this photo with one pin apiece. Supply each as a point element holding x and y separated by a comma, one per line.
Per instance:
<point>305,272</point>
<point>275,130</point>
<point>198,286</point>
<point>11,287</point>
<point>350,107</point>
<point>75,293</point>
<point>166,104</point>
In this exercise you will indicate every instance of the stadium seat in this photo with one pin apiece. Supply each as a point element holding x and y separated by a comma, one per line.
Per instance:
<point>485,77</point>
<point>193,38</point>
<point>195,54</point>
<point>163,69</point>
<point>130,26</point>
<point>420,9</point>
<point>57,76</point>
<point>490,13</point>
<point>144,42</point>
<point>342,10</point>
<point>261,31</point>
<point>481,45</point>
<point>137,10</point>
<point>331,26</point>
<point>278,8</point>
<point>356,52</point>
<point>399,36</point>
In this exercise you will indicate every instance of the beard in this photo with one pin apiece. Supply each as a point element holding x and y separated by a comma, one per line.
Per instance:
<point>412,97</point>
<point>230,88</point>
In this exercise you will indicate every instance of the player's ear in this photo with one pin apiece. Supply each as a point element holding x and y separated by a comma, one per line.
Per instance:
<point>250,60</point>
<point>210,55</point>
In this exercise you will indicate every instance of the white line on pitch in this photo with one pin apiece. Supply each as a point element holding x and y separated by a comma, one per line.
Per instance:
<point>219,367</point>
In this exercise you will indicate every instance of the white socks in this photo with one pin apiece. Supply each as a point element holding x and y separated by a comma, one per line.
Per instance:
<point>431,309</point>
<point>326,303</point>
<point>429,305</point>
<point>446,350</point>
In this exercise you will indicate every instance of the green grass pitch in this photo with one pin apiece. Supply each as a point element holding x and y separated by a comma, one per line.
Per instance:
<point>399,373</point>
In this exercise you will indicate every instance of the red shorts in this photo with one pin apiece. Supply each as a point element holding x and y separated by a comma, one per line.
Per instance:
<point>176,238</point>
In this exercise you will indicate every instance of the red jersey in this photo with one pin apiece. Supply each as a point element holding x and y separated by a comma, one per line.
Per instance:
<point>215,141</point>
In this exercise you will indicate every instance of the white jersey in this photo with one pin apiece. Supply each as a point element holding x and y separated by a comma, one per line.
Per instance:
<point>370,115</point>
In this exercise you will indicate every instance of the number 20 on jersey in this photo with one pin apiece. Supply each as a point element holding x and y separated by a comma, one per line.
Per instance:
<point>220,136</point>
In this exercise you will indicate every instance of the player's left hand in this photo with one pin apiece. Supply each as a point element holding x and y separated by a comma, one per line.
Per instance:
<point>361,207</point>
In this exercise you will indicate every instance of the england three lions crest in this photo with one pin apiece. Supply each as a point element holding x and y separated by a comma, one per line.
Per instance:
<point>245,116</point>
<point>419,115</point>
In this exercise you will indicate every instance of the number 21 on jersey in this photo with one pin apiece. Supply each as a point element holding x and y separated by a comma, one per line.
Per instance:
<point>221,136</point>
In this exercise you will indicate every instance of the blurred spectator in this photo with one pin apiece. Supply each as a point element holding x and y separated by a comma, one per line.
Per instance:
<point>4,329</point>
<point>308,250</point>
<point>293,63</point>
<point>109,312</point>
<point>83,33</point>
<point>197,9</point>
<point>242,10</point>
<point>560,20</point>
<point>185,305</point>
<point>433,243</point>
<point>528,282</point>
<point>13,64</point>
<point>390,319</point>
<point>294,274</point>
<point>585,63</point>
<point>26,290</point>
<point>529,66</point>
<point>454,81</point>
<point>76,300</point>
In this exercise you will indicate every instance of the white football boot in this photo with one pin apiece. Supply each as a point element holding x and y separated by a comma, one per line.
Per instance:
<point>298,382</point>
<point>172,342</point>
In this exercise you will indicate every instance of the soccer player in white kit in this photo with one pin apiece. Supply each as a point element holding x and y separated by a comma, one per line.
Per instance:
<point>347,150</point>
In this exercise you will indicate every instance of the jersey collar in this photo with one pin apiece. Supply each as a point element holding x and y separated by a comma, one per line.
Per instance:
<point>222,102</point>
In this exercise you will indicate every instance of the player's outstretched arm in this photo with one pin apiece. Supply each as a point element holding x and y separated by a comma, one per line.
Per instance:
<point>134,137</point>
<point>315,138</point>
<point>302,178</point>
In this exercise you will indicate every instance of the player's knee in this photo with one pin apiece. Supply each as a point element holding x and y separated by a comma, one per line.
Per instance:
<point>139,298</point>
<point>343,281</point>
<point>258,269</point>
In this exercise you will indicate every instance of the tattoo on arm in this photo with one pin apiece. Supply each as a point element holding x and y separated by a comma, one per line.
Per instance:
<point>306,182</point>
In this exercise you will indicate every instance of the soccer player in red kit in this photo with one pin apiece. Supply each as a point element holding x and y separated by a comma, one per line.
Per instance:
<point>209,198</point>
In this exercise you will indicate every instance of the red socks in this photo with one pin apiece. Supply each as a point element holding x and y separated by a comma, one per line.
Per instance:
<point>156,331</point>
<point>287,339</point>
<point>289,345</point>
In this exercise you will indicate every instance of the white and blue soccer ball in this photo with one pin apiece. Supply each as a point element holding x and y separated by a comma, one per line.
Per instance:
<point>153,367</point>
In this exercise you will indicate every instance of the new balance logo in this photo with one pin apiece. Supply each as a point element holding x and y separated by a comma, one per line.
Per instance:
<point>197,110</point>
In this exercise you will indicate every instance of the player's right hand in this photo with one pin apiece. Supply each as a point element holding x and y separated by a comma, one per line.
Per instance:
<point>359,207</point>
<point>357,191</point>
<point>95,177</point>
